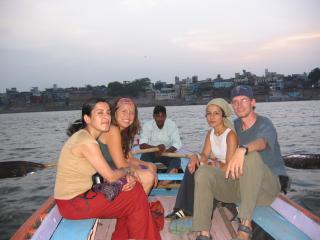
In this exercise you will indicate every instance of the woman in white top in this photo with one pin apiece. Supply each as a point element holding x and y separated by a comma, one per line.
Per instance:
<point>220,143</point>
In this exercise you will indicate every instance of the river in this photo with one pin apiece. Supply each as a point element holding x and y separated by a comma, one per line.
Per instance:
<point>38,137</point>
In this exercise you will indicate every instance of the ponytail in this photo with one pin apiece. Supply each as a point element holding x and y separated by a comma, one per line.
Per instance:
<point>74,127</point>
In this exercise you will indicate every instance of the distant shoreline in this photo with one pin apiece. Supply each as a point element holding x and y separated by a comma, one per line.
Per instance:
<point>42,108</point>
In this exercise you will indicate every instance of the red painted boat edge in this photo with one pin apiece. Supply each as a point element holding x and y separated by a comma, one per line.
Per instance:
<point>30,226</point>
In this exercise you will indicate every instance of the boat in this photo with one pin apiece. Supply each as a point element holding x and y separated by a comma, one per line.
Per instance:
<point>284,219</point>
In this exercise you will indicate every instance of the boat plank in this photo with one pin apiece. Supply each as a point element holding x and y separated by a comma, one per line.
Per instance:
<point>105,229</point>
<point>219,230</point>
<point>218,227</point>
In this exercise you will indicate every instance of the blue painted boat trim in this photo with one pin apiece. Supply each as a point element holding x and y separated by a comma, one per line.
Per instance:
<point>170,176</point>
<point>164,192</point>
<point>81,229</point>
<point>276,225</point>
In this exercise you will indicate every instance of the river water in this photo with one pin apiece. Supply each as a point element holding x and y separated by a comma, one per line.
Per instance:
<point>38,137</point>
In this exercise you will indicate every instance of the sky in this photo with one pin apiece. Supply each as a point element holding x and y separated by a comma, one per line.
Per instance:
<point>78,42</point>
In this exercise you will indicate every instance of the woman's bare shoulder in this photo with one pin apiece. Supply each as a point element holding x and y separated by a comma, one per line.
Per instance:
<point>232,135</point>
<point>113,131</point>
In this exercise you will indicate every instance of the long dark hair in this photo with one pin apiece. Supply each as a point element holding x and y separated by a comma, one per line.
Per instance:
<point>128,134</point>
<point>86,110</point>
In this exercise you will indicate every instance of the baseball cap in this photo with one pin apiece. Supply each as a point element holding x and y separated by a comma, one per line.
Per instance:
<point>242,90</point>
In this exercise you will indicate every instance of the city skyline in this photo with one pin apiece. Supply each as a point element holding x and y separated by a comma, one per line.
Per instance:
<point>241,75</point>
<point>75,43</point>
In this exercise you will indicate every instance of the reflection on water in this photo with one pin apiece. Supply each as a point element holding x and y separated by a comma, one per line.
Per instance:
<point>38,137</point>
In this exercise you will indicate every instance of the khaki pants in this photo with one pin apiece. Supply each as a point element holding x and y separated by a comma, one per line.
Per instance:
<point>257,186</point>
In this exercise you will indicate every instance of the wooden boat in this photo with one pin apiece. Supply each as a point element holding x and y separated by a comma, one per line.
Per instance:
<point>284,219</point>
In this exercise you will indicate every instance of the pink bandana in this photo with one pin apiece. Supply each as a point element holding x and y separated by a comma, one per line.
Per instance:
<point>123,101</point>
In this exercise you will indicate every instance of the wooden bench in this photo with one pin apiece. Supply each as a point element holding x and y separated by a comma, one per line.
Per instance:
<point>83,229</point>
<point>55,227</point>
<point>284,219</point>
<point>273,219</point>
<point>267,218</point>
<point>167,191</point>
<point>276,225</point>
<point>74,229</point>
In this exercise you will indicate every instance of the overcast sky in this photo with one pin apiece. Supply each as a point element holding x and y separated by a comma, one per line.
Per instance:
<point>76,42</point>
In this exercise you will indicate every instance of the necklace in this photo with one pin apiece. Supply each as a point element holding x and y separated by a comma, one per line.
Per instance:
<point>218,132</point>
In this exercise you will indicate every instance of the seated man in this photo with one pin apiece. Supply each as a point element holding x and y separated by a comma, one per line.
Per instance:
<point>253,174</point>
<point>162,133</point>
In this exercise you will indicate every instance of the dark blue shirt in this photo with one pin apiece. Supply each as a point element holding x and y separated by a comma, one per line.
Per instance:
<point>263,128</point>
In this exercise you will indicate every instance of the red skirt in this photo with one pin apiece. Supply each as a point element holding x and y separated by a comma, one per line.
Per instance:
<point>130,208</point>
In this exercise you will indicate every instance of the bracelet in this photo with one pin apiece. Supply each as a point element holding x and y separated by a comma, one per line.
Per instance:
<point>126,170</point>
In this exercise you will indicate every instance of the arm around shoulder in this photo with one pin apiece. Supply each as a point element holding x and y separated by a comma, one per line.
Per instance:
<point>93,154</point>
<point>113,140</point>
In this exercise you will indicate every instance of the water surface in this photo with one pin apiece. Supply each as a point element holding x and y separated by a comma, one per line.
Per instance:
<point>38,137</point>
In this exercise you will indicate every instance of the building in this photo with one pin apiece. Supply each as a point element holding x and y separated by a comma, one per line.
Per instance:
<point>219,82</point>
<point>165,94</point>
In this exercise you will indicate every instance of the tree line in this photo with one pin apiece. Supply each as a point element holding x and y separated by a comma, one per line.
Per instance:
<point>128,88</point>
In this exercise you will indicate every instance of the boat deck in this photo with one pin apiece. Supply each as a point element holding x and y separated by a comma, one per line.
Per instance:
<point>178,230</point>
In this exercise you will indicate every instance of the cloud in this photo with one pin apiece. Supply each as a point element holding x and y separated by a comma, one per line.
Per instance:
<point>289,44</point>
<point>290,41</point>
<point>135,5</point>
<point>199,41</point>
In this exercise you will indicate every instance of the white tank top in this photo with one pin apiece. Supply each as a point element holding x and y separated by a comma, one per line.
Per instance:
<point>219,145</point>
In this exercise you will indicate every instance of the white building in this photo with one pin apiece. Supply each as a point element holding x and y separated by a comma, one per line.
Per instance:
<point>165,94</point>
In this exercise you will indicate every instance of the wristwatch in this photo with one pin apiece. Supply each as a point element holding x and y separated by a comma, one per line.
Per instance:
<point>246,148</point>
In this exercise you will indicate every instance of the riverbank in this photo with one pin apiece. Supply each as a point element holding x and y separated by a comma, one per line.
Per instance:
<point>60,107</point>
<point>147,100</point>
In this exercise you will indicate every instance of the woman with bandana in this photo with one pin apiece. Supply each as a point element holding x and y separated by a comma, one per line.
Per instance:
<point>117,142</point>
<point>220,143</point>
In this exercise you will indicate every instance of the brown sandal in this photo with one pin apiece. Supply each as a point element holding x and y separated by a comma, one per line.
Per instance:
<point>202,237</point>
<point>245,229</point>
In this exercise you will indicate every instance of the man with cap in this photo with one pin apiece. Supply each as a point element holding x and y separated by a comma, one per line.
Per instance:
<point>252,174</point>
<point>162,133</point>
